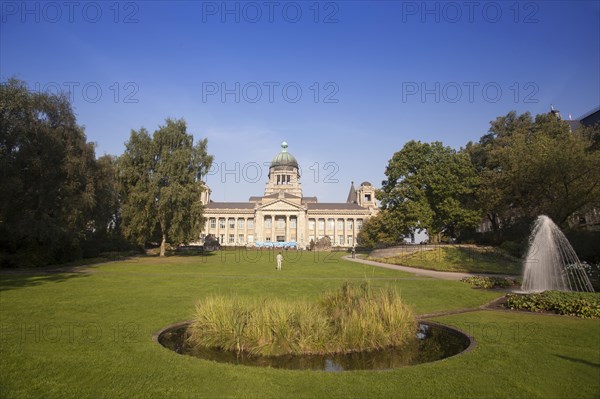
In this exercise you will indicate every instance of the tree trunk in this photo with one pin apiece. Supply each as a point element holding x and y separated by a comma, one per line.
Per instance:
<point>163,245</point>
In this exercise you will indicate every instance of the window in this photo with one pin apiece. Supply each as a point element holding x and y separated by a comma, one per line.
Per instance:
<point>367,197</point>
<point>250,238</point>
<point>359,224</point>
<point>250,223</point>
<point>222,240</point>
<point>311,238</point>
<point>240,223</point>
<point>268,239</point>
<point>330,224</point>
<point>240,238</point>
<point>280,238</point>
<point>232,223</point>
<point>267,222</point>
<point>231,238</point>
<point>221,223</point>
<point>350,240</point>
<point>293,223</point>
<point>350,223</point>
<point>340,224</point>
<point>321,224</point>
<point>311,224</point>
<point>281,223</point>
<point>341,240</point>
<point>213,223</point>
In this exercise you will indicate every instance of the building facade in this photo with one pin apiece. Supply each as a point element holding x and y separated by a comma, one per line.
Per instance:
<point>283,217</point>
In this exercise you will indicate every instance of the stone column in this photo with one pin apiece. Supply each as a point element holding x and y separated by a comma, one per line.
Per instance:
<point>334,238</point>
<point>259,226</point>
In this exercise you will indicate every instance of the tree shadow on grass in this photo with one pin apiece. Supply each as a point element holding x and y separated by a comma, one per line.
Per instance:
<point>16,280</point>
<point>581,361</point>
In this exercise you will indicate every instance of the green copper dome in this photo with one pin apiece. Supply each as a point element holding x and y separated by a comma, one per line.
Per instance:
<point>284,158</point>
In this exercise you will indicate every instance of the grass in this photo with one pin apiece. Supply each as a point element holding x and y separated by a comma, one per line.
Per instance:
<point>469,259</point>
<point>89,335</point>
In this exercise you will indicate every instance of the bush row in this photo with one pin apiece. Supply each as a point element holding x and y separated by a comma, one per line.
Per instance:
<point>580,304</point>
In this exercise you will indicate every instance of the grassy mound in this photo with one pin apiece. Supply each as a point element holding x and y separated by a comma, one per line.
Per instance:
<point>347,320</point>
<point>450,258</point>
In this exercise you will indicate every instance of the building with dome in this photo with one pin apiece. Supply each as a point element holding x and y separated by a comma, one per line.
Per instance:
<point>283,217</point>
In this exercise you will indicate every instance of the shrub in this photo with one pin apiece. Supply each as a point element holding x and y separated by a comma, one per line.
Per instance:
<point>580,304</point>
<point>348,320</point>
<point>491,282</point>
<point>514,248</point>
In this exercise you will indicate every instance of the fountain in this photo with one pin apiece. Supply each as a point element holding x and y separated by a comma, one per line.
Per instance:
<point>551,262</point>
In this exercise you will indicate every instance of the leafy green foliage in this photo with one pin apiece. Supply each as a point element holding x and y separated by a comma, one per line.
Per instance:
<point>160,183</point>
<point>381,230</point>
<point>531,167</point>
<point>429,186</point>
<point>580,304</point>
<point>54,194</point>
<point>491,282</point>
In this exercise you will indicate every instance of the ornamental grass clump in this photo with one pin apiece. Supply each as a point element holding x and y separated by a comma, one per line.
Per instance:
<point>364,319</point>
<point>351,319</point>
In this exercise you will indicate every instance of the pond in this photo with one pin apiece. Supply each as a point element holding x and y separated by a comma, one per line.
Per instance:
<point>432,342</point>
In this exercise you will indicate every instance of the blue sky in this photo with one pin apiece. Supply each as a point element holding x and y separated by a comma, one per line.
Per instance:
<point>345,83</point>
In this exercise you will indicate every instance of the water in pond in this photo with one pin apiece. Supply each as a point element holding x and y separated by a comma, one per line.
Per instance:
<point>432,342</point>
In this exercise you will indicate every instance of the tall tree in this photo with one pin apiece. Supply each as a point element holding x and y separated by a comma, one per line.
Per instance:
<point>160,179</point>
<point>429,186</point>
<point>47,176</point>
<point>530,167</point>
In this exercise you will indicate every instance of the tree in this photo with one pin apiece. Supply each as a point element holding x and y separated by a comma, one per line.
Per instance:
<point>106,213</point>
<point>161,184</point>
<point>429,186</point>
<point>381,229</point>
<point>530,167</point>
<point>47,190</point>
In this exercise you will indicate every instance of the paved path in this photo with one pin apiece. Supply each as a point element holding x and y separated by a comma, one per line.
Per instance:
<point>422,272</point>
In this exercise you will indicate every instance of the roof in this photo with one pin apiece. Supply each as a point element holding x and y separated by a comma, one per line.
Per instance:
<point>351,194</point>
<point>230,205</point>
<point>589,113</point>
<point>284,158</point>
<point>274,195</point>
<point>326,206</point>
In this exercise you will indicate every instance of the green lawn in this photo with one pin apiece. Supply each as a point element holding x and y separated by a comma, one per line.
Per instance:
<point>470,259</point>
<point>90,335</point>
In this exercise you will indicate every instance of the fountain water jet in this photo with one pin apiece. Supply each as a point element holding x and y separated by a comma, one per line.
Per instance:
<point>551,262</point>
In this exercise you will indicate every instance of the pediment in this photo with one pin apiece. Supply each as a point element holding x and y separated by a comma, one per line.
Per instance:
<point>280,205</point>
